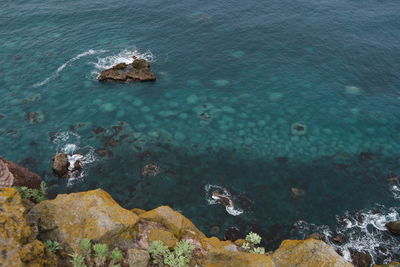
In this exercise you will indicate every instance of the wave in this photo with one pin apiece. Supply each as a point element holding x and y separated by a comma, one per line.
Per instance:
<point>216,194</point>
<point>364,231</point>
<point>63,66</point>
<point>124,56</point>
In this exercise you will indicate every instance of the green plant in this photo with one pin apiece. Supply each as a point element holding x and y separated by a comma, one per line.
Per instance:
<point>77,260</point>
<point>100,253</point>
<point>36,195</point>
<point>116,256</point>
<point>180,257</point>
<point>253,239</point>
<point>52,245</point>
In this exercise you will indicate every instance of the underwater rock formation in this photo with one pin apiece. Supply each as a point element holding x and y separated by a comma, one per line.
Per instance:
<point>138,70</point>
<point>22,176</point>
<point>150,170</point>
<point>6,177</point>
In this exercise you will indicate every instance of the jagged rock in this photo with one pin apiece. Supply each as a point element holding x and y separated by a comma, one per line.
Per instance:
<point>6,177</point>
<point>175,222</point>
<point>393,227</point>
<point>307,253</point>
<point>138,70</point>
<point>22,176</point>
<point>298,129</point>
<point>361,259</point>
<point>60,164</point>
<point>17,240</point>
<point>339,238</point>
<point>93,214</point>
<point>138,258</point>
<point>225,253</point>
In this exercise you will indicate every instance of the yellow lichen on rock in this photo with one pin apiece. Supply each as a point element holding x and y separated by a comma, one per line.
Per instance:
<point>93,214</point>
<point>307,253</point>
<point>166,237</point>
<point>17,241</point>
<point>178,224</point>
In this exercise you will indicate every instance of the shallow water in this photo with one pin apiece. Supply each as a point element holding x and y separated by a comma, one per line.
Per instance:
<point>233,77</point>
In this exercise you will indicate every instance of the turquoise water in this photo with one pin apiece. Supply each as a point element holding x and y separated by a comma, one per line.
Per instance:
<point>233,77</point>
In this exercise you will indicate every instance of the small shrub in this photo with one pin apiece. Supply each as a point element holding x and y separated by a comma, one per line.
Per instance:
<point>100,253</point>
<point>253,239</point>
<point>33,194</point>
<point>77,260</point>
<point>180,257</point>
<point>52,245</point>
<point>116,256</point>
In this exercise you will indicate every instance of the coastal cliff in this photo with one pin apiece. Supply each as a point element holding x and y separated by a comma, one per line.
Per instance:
<point>94,215</point>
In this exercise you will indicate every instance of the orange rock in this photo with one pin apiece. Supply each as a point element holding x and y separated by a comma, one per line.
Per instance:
<point>175,222</point>
<point>138,211</point>
<point>93,214</point>
<point>307,253</point>
<point>166,237</point>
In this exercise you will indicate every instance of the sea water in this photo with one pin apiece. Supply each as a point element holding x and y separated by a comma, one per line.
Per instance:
<point>234,78</point>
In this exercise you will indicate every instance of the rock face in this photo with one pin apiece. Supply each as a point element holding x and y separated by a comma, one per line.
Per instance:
<point>138,258</point>
<point>17,241</point>
<point>225,253</point>
<point>60,164</point>
<point>93,214</point>
<point>307,253</point>
<point>138,70</point>
<point>175,222</point>
<point>22,176</point>
<point>361,259</point>
<point>394,227</point>
<point>6,177</point>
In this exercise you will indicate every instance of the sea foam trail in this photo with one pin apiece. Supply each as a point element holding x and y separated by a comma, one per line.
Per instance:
<point>63,66</point>
<point>124,56</point>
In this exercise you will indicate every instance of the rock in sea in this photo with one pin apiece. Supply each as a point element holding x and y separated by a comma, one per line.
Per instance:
<point>60,164</point>
<point>393,227</point>
<point>138,70</point>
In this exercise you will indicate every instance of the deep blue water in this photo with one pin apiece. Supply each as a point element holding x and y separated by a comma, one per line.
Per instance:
<point>233,76</point>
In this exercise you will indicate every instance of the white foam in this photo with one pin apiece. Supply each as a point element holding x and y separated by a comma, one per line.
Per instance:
<point>212,200</point>
<point>63,66</point>
<point>363,231</point>
<point>124,56</point>
<point>395,189</point>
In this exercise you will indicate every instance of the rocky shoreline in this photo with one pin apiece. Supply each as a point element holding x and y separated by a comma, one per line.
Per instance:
<point>50,233</point>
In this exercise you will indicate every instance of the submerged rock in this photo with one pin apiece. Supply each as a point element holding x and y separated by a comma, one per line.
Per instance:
<point>298,129</point>
<point>22,176</point>
<point>150,170</point>
<point>310,253</point>
<point>6,177</point>
<point>93,214</point>
<point>60,164</point>
<point>361,259</point>
<point>296,192</point>
<point>393,227</point>
<point>138,70</point>
<point>34,117</point>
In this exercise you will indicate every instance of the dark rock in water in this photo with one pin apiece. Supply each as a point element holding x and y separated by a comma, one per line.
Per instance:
<point>316,236</point>
<point>77,165</point>
<point>364,156</point>
<point>221,198</point>
<point>22,176</point>
<point>339,238</point>
<point>392,178</point>
<point>282,160</point>
<point>361,259</point>
<point>104,152</point>
<point>296,192</point>
<point>232,234</point>
<point>298,129</point>
<point>138,70</point>
<point>2,116</point>
<point>34,117</point>
<point>150,170</point>
<point>214,230</point>
<point>18,57</point>
<point>60,165</point>
<point>98,130</point>
<point>393,227</point>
